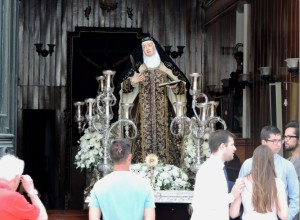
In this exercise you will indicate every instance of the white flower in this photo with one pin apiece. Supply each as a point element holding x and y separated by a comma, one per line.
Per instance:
<point>165,177</point>
<point>90,153</point>
<point>190,150</point>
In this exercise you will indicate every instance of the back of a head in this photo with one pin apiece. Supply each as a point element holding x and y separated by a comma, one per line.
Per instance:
<point>218,137</point>
<point>10,167</point>
<point>263,161</point>
<point>119,150</point>
<point>267,131</point>
<point>293,124</point>
<point>264,185</point>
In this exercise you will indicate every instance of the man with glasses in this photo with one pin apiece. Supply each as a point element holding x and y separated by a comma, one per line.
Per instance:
<point>271,136</point>
<point>292,145</point>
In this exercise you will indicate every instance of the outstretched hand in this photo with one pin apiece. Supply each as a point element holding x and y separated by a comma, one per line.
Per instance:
<point>137,77</point>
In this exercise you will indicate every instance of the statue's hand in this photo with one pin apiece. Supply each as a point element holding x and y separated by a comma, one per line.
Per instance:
<point>137,77</point>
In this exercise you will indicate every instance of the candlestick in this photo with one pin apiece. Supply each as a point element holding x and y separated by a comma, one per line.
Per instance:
<point>180,108</point>
<point>109,79</point>
<point>78,117</point>
<point>197,81</point>
<point>100,80</point>
<point>90,104</point>
<point>126,110</point>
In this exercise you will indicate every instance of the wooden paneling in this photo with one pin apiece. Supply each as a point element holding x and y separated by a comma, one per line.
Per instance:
<point>49,22</point>
<point>274,37</point>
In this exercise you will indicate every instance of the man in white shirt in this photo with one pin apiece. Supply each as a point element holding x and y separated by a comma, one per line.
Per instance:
<point>211,198</point>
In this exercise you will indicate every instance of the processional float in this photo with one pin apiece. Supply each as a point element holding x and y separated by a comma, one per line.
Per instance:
<point>99,114</point>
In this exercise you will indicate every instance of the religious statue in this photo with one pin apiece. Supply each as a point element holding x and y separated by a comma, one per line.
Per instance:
<point>153,111</point>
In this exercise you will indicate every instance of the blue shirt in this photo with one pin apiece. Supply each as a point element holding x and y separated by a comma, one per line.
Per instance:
<point>287,173</point>
<point>122,195</point>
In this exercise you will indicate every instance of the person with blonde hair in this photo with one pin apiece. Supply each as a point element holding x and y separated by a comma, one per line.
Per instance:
<point>14,206</point>
<point>264,196</point>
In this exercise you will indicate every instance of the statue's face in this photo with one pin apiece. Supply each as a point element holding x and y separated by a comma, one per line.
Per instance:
<point>148,48</point>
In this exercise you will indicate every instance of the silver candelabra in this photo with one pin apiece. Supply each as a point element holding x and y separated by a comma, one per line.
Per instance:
<point>204,119</point>
<point>99,113</point>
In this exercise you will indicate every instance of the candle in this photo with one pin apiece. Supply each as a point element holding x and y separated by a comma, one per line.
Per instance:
<point>195,83</point>
<point>90,109</point>
<point>78,111</point>
<point>180,112</point>
<point>204,109</point>
<point>212,110</point>
<point>90,104</point>
<point>108,81</point>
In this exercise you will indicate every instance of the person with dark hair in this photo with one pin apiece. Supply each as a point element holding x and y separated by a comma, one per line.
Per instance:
<point>292,145</point>
<point>153,108</point>
<point>271,137</point>
<point>211,198</point>
<point>121,195</point>
<point>13,205</point>
<point>264,196</point>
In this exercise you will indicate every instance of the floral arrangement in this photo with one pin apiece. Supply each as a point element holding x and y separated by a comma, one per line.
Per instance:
<point>190,149</point>
<point>164,177</point>
<point>91,150</point>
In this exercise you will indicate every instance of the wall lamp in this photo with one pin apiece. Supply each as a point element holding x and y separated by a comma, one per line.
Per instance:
<point>174,54</point>
<point>292,64</point>
<point>44,52</point>
<point>266,75</point>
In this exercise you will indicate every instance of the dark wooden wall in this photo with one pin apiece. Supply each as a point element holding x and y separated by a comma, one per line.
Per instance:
<point>275,37</point>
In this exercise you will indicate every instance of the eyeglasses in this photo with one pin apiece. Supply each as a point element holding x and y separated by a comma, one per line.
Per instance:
<point>276,141</point>
<point>288,137</point>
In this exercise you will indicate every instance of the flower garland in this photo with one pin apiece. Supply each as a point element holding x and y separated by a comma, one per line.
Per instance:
<point>190,149</point>
<point>166,176</point>
<point>91,150</point>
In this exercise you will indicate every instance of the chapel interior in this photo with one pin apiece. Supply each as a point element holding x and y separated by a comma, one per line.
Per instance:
<point>52,51</point>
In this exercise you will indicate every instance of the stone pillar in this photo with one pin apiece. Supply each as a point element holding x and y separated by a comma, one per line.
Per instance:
<point>8,74</point>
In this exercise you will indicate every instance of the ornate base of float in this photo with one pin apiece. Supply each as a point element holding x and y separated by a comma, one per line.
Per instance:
<point>173,196</point>
<point>170,204</point>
